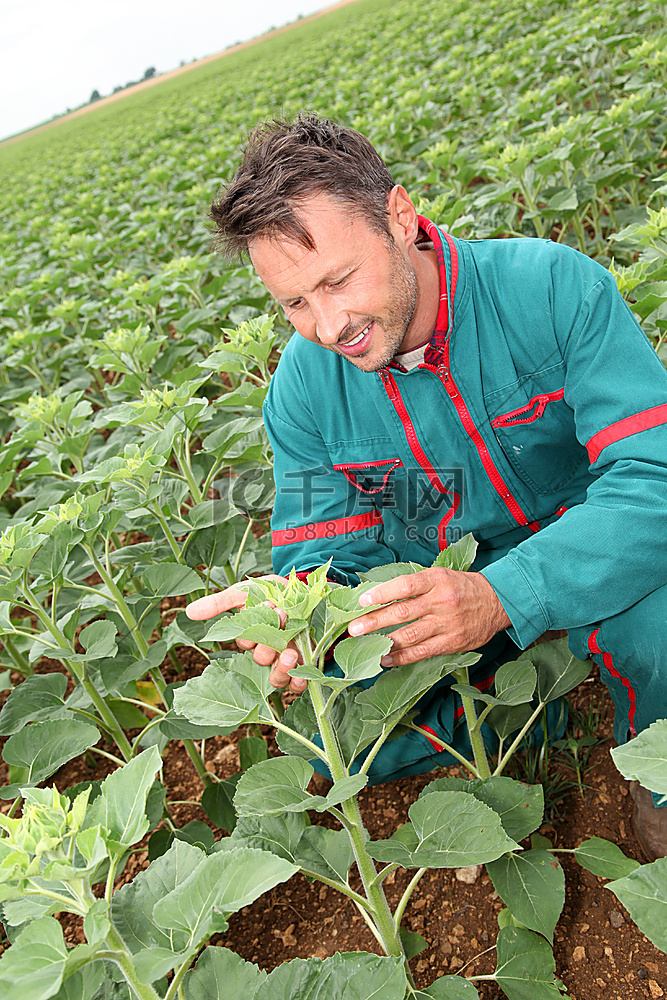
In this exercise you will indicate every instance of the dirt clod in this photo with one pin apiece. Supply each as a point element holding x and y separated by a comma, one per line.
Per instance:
<point>469,875</point>
<point>616,919</point>
<point>656,989</point>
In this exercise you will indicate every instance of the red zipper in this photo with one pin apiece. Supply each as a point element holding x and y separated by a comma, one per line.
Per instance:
<point>444,374</point>
<point>392,391</point>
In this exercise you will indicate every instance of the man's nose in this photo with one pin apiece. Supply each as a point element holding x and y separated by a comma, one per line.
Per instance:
<point>330,321</point>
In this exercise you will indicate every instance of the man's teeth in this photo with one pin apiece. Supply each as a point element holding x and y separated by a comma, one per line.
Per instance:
<point>358,339</point>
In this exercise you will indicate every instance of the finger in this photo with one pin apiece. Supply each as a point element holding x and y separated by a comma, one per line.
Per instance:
<point>280,676</point>
<point>431,647</point>
<point>398,589</point>
<point>415,633</point>
<point>215,604</point>
<point>245,644</point>
<point>282,615</point>
<point>395,614</point>
<point>264,655</point>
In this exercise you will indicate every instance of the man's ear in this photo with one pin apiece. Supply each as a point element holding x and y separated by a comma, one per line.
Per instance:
<point>402,216</point>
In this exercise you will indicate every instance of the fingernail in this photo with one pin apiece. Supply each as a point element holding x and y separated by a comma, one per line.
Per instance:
<point>356,628</point>
<point>299,684</point>
<point>289,657</point>
<point>365,600</point>
<point>386,661</point>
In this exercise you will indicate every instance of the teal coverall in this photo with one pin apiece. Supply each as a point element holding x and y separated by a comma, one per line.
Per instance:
<point>538,422</point>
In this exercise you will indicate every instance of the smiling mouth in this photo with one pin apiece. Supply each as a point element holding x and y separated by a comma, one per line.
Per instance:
<point>359,343</point>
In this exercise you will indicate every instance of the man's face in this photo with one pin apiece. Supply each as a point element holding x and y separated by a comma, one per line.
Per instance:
<point>355,294</point>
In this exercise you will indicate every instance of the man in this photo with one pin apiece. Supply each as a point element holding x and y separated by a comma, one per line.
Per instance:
<point>440,386</point>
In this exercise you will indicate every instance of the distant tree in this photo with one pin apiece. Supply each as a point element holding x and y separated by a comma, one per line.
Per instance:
<point>95,96</point>
<point>149,73</point>
<point>116,89</point>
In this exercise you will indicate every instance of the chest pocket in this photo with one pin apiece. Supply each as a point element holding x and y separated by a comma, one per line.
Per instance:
<point>539,441</point>
<point>373,479</point>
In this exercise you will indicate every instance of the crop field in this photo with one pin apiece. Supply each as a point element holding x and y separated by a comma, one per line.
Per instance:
<point>163,833</point>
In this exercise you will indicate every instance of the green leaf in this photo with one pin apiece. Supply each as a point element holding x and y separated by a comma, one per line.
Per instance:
<point>42,748</point>
<point>525,966</point>
<point>222,883</point>
<point>343,603</point>
<point>359,658</point>
<point>413,943</point>
<point>87,983</point>
<point>532,885</point>
<point>345,976</point>
<point>382,574</point>
<point>644,894</point>
<point>35,963</point>
<point>96,923</point>
<point>121,805</point>
<point>170,580</point>
<point>226,694</point>
<point>643,759</point>
<point>325,852</point>
<point>218,803</point>
<point>99,639</point>
<point>459,555</point>
<point>397,690</point>
<point>515,682</point>
<point>519,806</point>
<point>252,750</point>
<point>221,973</point>
<point>449,988</point>
<point>39,698</point>
<point>453,830</point>
<point>604,859</point>
<point>280,835</point>
<point>508,719</point>
<point>278,785</point>
<point>132,905</point>
<point>558,671</point>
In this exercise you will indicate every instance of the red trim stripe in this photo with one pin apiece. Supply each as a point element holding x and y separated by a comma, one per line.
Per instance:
<point>643,421</point>
<point>506,419</point>
<point>326,529</point>
<point>607,661</point>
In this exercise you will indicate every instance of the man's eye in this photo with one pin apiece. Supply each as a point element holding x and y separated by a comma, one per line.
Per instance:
<point>338,284</point>
<point>291,306</point>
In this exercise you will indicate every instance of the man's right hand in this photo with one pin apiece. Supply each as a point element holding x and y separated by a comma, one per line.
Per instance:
<point>280,663</point>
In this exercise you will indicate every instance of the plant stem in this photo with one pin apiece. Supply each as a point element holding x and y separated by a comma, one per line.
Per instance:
<point>383,919</point>
<point>19,659</point>
<point>405,898</point>
<point>173,544</point>
<point>500,766</point>
<point>98,701</point>
<point>445,746</point>
<point>119,954</point>
<point>476,740</point>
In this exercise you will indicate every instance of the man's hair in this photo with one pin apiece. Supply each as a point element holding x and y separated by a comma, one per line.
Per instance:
<point>286,163</point>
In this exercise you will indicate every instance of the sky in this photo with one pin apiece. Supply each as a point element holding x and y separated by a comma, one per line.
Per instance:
<point>54,53</point>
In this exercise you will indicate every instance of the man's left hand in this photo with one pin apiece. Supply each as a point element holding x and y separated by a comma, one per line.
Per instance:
<point>449,611</point>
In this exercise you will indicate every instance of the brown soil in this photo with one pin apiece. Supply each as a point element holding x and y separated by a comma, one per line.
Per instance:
<point>599,951</point>
<point>170,74</point>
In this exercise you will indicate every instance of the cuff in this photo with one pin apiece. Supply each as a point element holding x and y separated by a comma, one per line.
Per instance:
<point>521,604</point>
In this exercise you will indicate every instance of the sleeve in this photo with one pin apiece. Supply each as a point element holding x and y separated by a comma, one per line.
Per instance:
<point>317,515</point>
<point>605,554</point>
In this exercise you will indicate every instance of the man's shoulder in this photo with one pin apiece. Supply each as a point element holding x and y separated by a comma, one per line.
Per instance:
<point>309,376</point>
<point>539,257</point>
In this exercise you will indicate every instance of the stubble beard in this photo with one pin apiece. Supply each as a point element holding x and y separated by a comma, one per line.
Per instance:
<point>396,323</point>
